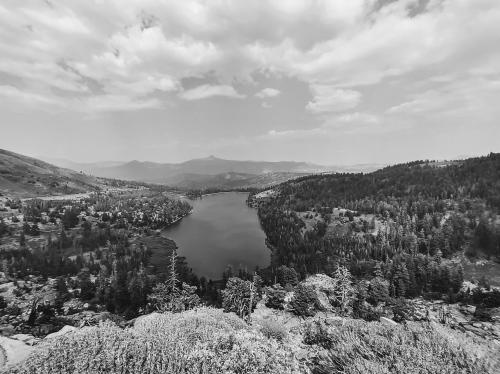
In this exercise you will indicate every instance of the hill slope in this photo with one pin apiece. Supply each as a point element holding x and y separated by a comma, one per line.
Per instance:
<point>409,213</point>
<point>23,176</point>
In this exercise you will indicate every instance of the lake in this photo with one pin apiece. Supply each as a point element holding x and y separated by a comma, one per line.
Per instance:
<point>221,230</point>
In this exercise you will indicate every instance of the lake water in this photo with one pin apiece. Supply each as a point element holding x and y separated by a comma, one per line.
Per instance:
<point>221,230</point>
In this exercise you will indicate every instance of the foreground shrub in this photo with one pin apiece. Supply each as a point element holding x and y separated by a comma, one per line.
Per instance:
<point>403,311</point>
<point>273,329</point>
<point>238,295</point>
<point>304,302</point>
<point>199,341</point>
<point>275,297</point>
<point>355,347</point>
<point>244,352</point>
<point>318,333</point>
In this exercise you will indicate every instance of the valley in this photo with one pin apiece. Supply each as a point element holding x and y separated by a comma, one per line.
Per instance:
<point>410,247</point>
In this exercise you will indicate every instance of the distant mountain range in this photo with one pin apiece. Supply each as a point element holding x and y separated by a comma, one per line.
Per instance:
<point>208,172</point>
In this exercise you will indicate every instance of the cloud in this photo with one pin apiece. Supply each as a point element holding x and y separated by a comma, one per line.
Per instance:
<point>358,117</point>
<point>336,47</point>
<point>331,99</point>
<point>50,102</point>
<point>348,123</point>
<point>471,96</point>
<point>205,91</point>
<point>268,92</point>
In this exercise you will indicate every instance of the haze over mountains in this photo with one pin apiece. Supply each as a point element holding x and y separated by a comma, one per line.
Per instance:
<point>208,172</point>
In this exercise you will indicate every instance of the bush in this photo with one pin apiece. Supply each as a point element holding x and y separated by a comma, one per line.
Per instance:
<point>200,341</point>
<point>304,302</point>
<point>482,314</point>
<point>366,311</point>
<point>402,310</point>
<point>273,329</point>
<point>287,276</point>
<point>317,333</point>
<point>236,297</point>
<point>378,291</point>
<point>275,297</point>
<point>357,347</point>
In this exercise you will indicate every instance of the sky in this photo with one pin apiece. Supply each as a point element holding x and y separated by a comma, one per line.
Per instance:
<point>333,82</point>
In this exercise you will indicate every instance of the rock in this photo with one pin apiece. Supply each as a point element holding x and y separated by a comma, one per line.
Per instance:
<point>477,325</point>
<point>469,309</point>
<point>26,338</point>
<point>388,321</point>
<point>478,331</point>
<point>65,330</point>
<point>12,351</point>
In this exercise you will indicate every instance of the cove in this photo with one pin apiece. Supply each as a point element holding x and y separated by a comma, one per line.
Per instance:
<point>222,230</point>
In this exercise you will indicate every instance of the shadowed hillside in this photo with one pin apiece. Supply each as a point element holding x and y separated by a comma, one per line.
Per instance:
<point>24,176</point>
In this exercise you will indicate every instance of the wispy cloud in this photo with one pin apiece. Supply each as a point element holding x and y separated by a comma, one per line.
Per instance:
<point>206,91</point>
<point>331,99</point>
<point>268,92</point>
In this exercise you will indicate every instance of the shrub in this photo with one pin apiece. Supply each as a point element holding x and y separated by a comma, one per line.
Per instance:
<point>357,347</point>
<point>199,341</point>
<point>273,329</point>
<point>275,297</point>
<point>316,333</point>
<point>236,297</point>
<point>378,291</point>
<point>402,310</point>
<point>482,314</point>
<point>304,302</point>
<point>287,276</point>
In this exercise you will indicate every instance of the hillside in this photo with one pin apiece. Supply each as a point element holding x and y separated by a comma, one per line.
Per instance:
<point>23,176</point>
<point>403,219</point>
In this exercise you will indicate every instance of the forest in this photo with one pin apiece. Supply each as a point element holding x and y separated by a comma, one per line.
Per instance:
<point>405,222</point>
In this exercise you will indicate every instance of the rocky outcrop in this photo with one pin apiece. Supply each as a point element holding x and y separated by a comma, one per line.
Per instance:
<point>13,351</point>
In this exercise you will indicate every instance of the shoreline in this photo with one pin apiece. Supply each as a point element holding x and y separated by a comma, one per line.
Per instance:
<point>178,219</point>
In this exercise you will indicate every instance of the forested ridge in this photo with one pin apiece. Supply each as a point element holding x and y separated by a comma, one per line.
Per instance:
<point>399,222</point>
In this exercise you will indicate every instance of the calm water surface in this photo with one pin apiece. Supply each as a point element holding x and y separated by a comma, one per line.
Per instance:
<point>221,230</point>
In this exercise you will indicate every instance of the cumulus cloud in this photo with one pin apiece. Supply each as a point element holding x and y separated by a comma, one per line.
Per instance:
<point>358,117</point>
<point>473,96</point>
<point>335,46</point>
<point>205,91</point>
<point>331,99</point>
<point>268,92</point>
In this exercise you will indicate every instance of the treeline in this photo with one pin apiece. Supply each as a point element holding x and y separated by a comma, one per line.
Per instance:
<point>419,181</point>
<point>424,212</point>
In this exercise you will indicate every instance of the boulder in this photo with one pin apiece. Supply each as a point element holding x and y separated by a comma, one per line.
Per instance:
<point>26,338</point>
<point>65,330</point>
<point>13,351</point>
<point>388,321</point>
